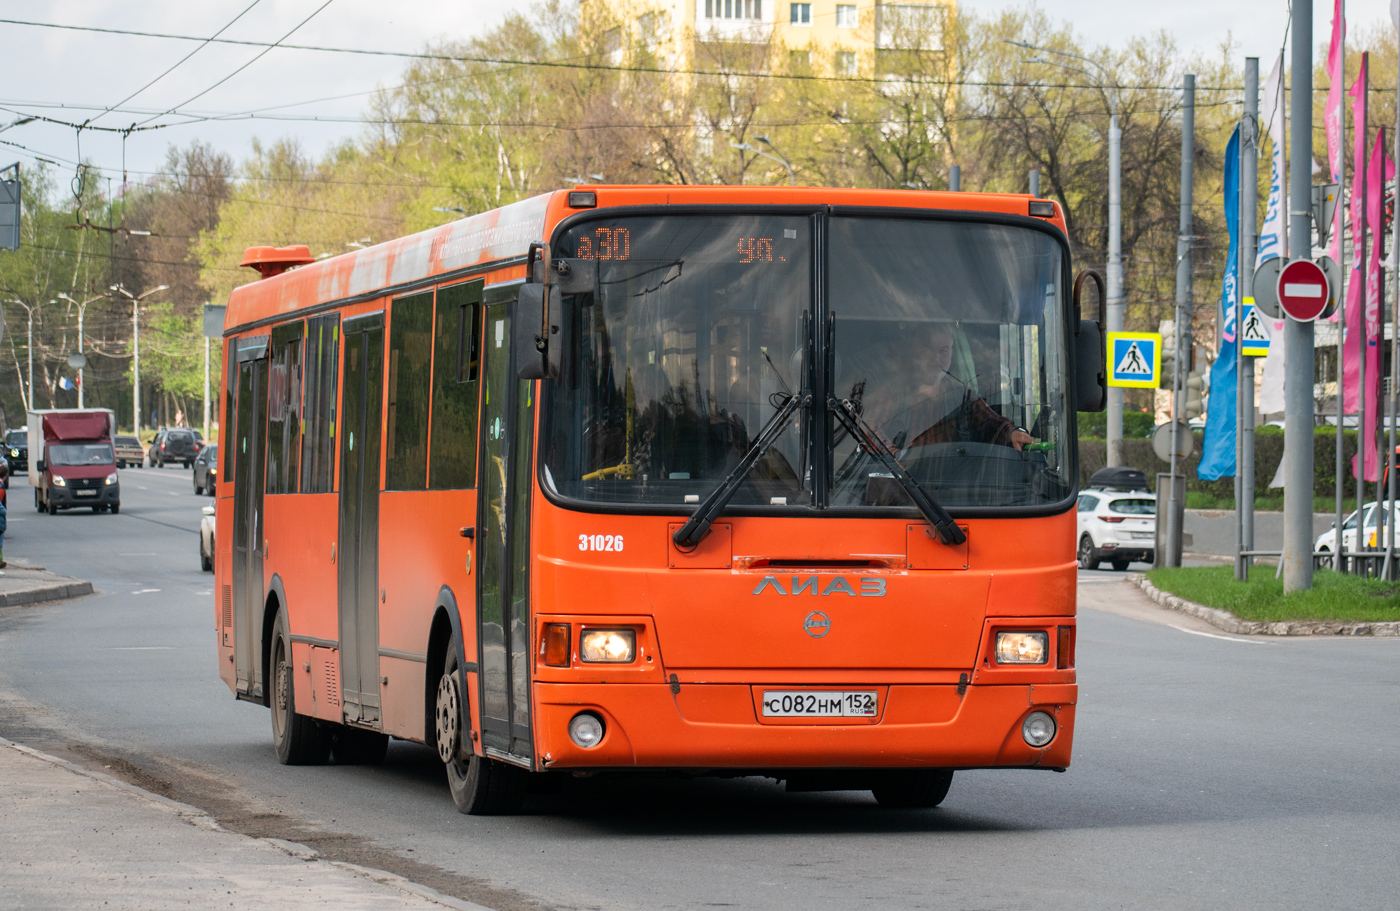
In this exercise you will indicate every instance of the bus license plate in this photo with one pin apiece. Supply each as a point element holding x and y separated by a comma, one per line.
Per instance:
<point>820,704</point>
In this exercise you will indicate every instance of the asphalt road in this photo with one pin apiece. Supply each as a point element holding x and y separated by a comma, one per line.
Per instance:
<point>1209,771</point>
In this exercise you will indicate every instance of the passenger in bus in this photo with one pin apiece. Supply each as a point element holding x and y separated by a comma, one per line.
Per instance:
<point>944,409</point>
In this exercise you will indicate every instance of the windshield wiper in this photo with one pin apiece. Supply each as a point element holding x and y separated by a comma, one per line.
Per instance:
<point>846,412</point>
<point>689,535</point>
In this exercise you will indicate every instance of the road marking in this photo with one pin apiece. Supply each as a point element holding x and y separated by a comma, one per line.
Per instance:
<point>145,554</point>
<point>1196,632</point>
<point>145,591</point>
<point>141,648</point>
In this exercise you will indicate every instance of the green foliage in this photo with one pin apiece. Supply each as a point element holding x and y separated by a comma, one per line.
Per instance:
<point>1093,425</point>
<point>1334,596</point>
<point>1268,454</point>
<point>172,352</point>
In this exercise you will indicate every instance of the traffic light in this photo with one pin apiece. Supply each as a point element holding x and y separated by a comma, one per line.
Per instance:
<point>1195,387</point>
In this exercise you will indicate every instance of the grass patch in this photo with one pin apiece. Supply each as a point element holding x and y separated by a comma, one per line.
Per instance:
<point>1272,502</point>
<point>1334,596</point>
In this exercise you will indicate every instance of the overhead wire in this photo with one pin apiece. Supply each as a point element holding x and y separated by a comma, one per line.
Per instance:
<point>176,65</point>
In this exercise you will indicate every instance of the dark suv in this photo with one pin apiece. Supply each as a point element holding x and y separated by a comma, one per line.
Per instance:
<point>17,450</point>
<point>175,445</point>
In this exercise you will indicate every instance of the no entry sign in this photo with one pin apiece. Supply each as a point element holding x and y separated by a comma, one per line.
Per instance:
<point>1302,290</point>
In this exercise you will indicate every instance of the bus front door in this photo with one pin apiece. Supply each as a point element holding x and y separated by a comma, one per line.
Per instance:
<point>249,466</point>
<point>503,623</point>
<point>358,560</point>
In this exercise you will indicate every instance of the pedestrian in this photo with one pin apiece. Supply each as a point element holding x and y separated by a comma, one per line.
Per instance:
<point>4,482</point>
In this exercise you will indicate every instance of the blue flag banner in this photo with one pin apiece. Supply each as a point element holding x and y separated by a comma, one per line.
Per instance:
<point>1218,450</point>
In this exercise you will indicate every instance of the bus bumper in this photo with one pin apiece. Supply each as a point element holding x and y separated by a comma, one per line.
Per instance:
<point>718,726</point>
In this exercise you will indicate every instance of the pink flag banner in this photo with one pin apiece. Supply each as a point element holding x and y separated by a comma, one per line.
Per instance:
<point>1351,347</point>
<point>1332,117</point>
<point>1378,171</point>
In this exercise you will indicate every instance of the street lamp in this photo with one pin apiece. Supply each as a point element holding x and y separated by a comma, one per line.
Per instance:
<point>136,348</point>
<point>745,147</point>
<point>81,308</point>
<point>1115,225</point>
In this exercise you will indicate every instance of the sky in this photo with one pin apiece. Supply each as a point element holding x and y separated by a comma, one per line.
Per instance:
<point>87,72</point>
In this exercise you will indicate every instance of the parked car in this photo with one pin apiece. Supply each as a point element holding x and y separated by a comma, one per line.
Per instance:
<point>206,470</point>
<point>1117,526</point>
<point>129,451</point>
<point>176,444</point>
<point>206,540</point>
<point>1327,541</point>
<point>17,449</point>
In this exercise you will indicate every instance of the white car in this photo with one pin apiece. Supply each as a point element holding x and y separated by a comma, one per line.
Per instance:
<point>1118,526</point>
<point>1327,541</point>
<point>206,540</point>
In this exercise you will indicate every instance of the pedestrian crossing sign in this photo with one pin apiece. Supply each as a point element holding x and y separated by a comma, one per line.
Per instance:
<point>1255,335</point>
<point>1134,359</point>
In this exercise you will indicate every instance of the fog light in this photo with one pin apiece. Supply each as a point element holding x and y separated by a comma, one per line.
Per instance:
<point>1038,729</point>
<point>612,646</point>
<point>1023,648</point>
<point>586,730</point>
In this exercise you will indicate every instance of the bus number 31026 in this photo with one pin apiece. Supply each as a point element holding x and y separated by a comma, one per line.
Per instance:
<point>600,542</point>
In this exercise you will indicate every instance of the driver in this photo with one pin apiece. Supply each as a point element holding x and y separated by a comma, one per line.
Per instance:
<point>944,409</point>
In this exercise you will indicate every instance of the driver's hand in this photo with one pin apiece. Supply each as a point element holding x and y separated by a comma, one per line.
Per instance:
<point>1020,439</point>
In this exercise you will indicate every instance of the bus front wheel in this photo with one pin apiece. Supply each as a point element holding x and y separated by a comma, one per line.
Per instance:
<point>913,788</point>
<point>480,786</point>
<point>299,740</point>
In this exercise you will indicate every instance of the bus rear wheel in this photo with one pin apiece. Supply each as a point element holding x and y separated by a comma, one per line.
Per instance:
<point>299,740</point>
<point>913,788</point>
<point>480,786</point>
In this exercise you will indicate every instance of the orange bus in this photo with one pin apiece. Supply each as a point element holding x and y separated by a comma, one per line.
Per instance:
<point>698,480</point>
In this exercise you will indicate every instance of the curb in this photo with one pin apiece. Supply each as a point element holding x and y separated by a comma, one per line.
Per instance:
<point>197,817</point>
<point>58,592</point>
<point>1231,624</point>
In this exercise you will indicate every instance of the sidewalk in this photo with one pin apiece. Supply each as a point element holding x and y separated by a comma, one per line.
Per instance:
<point>20,584</point>
<point>71,838</point>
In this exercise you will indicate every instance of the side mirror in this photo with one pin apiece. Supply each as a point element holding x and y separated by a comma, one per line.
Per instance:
<point>39,466</point>
<point>538,336</point>
<point>208,510</point>
<point>1090,349</point>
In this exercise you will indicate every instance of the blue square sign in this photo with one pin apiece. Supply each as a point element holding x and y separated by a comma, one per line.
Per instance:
<point>1134,359</point>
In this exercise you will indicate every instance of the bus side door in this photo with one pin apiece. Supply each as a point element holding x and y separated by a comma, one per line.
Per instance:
<point>503,622</point>
<point>358,563</point>
<point>249,467</point>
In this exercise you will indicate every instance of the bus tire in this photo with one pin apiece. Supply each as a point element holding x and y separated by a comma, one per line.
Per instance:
<point>1087,558</point>
<point>358,746</point>
<point>299,740</point>
<point>913,788</point>
<point>480,786</point>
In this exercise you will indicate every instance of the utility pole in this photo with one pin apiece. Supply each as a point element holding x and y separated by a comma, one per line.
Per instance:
<point>1176,506</point>
<point>955,178</point>
<point>82,309</point>
<point>1114,291</point>
<point>206,388</point>
<point>136,348</point>
<point>1363,328</point>
<point>1394,371</point>
<point>1244,366</point>
<point>1035,182</point>
<point>1298,336</point>
<point>1339,560</point>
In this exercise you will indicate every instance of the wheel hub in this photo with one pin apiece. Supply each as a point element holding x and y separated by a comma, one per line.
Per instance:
<point>448,714</point>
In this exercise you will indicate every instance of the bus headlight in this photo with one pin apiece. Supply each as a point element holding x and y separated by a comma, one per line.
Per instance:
<point>610,646</point>
<point>586,730</point>
<point>1038,729</point>
<point>1023,648</point>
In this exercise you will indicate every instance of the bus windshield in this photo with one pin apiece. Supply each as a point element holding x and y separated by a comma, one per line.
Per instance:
<point>692,344</point>
<point>947,336</point>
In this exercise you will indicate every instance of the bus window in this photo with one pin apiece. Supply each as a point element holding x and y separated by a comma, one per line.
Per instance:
<point>456,374</point>
<point>410,354</point>
<point>318,420</point>
<point>954,359</point>
<point>284,410</point>
<point>230,397</point>
<point>694,342</point>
